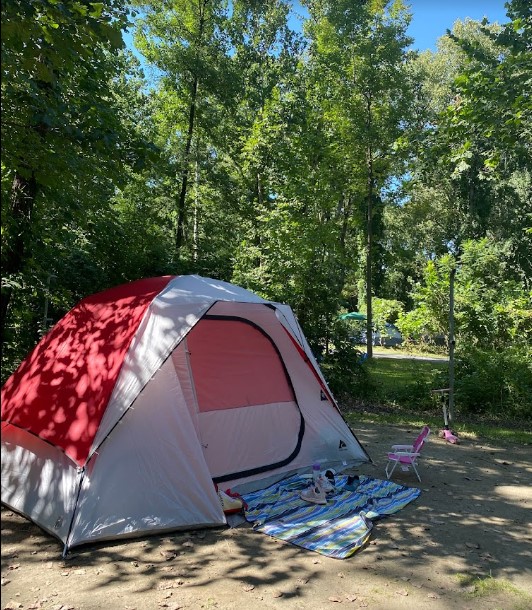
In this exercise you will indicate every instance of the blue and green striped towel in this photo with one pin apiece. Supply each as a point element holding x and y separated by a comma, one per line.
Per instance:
<point>336,529</point>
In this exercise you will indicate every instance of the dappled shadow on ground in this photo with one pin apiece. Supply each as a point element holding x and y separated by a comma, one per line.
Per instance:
<point>475,506</point>
<point>472,520</point>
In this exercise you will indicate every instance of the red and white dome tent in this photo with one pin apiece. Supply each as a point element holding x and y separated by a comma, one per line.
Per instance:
<point>139,398</point>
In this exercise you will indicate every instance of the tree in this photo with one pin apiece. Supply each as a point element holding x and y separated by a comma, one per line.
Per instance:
<point>493,325</point>
<point>74,137</point>
<point>187,43</point>
<point>57,111</point>
<point>451,191</point>
<point>361,50</point>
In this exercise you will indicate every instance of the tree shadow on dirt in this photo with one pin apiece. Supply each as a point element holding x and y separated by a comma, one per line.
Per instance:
<point>471,519</point>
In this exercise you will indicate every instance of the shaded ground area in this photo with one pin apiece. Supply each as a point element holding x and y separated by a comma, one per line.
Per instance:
<point>465,543</point>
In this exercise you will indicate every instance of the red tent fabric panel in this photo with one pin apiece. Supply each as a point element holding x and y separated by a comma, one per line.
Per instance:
<point>61,390</point>
<point>235,365</point>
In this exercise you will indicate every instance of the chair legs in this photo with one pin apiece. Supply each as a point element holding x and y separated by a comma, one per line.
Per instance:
<point>390,462</point>
<point>415,470</point>
<point>395,462</point>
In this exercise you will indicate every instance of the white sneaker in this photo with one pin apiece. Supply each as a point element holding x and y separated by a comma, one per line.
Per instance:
<point>230,505</point>
<point>325,484</point>
<point>314,494</point>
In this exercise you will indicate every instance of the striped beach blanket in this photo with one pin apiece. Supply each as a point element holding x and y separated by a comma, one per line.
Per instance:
<point>336,529</point>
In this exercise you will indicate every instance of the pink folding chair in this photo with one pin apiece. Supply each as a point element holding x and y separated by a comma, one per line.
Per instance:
<point>407,455</point>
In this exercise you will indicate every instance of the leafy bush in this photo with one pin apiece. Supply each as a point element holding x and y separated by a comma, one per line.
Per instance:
<point>492,304</point>
<point>495,382</point>
<point>345,370</point>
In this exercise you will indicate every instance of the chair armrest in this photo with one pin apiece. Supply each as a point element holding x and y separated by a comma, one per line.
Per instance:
<point>404,447</point>
<point>406,453</point>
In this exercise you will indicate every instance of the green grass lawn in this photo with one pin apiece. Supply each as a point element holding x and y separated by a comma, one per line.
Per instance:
<point>405,382</point>
<point>409,351</point>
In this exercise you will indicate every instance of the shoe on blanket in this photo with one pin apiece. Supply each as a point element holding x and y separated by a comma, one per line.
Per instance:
<point>352,483</point>
<point>230,504</point>
<point>326,484</point>
<point>314,494</point>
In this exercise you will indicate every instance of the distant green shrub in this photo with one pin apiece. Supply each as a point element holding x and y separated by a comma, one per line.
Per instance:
<point>495,382</point>
<point>345,371</point>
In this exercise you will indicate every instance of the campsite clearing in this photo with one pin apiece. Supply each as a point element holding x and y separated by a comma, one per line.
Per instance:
<point>465,543</point>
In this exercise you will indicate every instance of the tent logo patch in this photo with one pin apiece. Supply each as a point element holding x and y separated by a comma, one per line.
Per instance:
<point>342,445</point>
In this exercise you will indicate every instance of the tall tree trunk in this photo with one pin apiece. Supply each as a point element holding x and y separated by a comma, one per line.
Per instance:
<point>369,230</point>
<point>181,202</point>
<point>22,200</point>
<point>369,257</point>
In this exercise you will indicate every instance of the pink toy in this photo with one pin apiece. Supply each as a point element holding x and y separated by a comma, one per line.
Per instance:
<point>450,437</point>
<point>446,434</point>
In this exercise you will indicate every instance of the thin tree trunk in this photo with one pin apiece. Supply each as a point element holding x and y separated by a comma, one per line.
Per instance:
<point>195,246</point>
<point>22,200</point>
<point>181,202</point>
<point>369,251</point>
<point>369,232</point>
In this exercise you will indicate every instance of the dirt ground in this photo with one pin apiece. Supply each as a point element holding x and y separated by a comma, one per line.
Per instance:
<point>464,543</point>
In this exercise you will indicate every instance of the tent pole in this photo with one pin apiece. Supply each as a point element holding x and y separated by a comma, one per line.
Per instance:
<point>81,472</point>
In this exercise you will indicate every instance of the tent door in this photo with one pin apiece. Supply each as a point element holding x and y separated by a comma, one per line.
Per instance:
<point>247,415</point>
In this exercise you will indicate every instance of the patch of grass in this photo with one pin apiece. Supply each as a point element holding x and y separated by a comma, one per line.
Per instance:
<point>503,432</point>
<point>404,382</point>
<point>410,351</point>
<point>485,587</point>
<point>391,375</point>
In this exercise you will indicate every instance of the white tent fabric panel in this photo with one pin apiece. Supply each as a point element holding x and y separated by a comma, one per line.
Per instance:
<point>249,437</point>
<point>180,359</point>
<point>194,288</point>
<point>165,324</point>
<point>150,473</point>
<point>38,480</point>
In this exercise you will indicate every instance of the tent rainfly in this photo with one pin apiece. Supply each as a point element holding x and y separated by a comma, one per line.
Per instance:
<point>143,396</point>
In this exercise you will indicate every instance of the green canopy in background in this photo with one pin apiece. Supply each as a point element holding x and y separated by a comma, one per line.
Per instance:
<point>353,315</point>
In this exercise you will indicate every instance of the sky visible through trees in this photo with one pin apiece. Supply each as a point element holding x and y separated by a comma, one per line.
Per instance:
<point>334,168</point>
